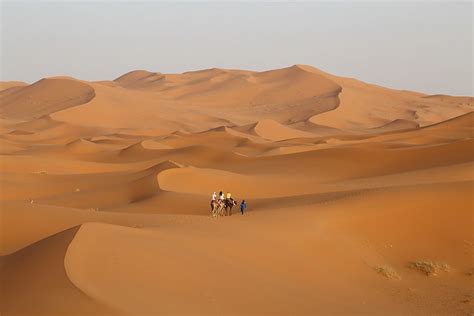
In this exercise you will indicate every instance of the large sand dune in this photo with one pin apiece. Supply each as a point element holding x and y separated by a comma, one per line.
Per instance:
<point>44,97</point>
<point>360,197</point>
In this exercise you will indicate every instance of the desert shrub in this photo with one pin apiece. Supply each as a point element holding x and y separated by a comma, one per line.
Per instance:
<point>429,267</point>
<point>387,272</point>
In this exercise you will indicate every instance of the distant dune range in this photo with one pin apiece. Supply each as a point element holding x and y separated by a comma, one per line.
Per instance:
<point>360,196</point>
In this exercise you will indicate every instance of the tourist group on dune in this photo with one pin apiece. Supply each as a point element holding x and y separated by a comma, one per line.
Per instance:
<point>222,205</point>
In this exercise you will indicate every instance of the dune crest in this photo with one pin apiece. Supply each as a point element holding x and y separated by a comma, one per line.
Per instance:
<point>398,125</point>
<point>82,146</point>
<point>139,79</point>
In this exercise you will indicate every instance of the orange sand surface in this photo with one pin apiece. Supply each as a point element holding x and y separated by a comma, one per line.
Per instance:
<point>360,197</point>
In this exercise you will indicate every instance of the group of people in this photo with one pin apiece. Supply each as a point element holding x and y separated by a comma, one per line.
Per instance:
<point>222,204</point>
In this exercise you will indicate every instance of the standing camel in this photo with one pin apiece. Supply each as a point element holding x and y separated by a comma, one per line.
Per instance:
<point>223,208</point>
<point>229,204</point>
<point>217,208</point>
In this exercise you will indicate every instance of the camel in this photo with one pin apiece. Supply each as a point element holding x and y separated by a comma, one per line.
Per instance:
<point>222,208</point>
<point>217,208</point>
<point>229,204</point>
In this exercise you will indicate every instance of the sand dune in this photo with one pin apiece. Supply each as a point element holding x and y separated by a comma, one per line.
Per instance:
<point>385,105</point>
<point>225,97</point>
<point>293,93</point>
<point>82,146</point>
<point>271,130</point>
<point>45,97</point>
<point>359,196</point>
<point>451,99</point>
<point>99,243</point>
<point>139,78</point>
<point>398,125</point>
<point>28,272</point>
<point>244,86</point>
<point>4,85</point>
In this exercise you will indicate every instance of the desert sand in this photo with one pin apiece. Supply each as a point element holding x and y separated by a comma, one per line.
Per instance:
<point>360,197</point>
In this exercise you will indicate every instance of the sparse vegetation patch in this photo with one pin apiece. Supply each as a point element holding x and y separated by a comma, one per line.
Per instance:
<point>429,267</point>
<point>388,272</point>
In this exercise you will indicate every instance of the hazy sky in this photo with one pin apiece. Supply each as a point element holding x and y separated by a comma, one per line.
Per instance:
<point>424,46</point>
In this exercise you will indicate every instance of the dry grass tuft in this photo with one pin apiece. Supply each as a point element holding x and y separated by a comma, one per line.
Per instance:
<point>429,267</point>
<point>388,272</point>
